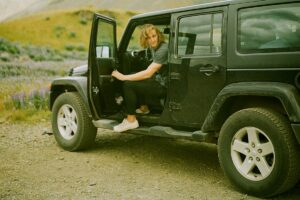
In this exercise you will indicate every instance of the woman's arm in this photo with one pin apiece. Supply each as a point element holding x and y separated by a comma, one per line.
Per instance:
<point>145,74</point>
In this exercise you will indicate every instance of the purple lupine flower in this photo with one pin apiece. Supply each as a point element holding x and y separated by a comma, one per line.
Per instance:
<point>33,94</point>
<point>22,98</point>
<point>34,98</point>
<point>19,100</point>
<point>44,92</point>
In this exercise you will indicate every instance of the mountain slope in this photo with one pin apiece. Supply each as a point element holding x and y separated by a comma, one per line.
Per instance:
<point>15,8</point>
<point>11,7</point>
<point>58,29</point>
<point>66,24</point>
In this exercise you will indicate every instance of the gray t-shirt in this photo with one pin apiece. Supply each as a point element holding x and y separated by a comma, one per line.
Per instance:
<point>160,56</point>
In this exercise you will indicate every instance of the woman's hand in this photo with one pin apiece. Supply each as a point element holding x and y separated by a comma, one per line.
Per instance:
<point>118,75</point>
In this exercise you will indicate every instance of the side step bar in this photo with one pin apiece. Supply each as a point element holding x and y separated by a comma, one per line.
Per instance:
<point>161,131</point>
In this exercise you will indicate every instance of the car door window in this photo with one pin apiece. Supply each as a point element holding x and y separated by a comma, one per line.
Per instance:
<point>269,28</point>
<point>199,35</point>
<point>105,40</point>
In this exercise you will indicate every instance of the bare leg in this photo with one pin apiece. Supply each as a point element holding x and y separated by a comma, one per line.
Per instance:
<point>144,108</point>
<point>131,118</point>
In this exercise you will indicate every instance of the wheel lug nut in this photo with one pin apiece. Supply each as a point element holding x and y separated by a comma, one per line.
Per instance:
<point>257,159</point>
<point>250,158</point>
<point>253,145</point>
<point>259,151</point>
<point>247,150</point>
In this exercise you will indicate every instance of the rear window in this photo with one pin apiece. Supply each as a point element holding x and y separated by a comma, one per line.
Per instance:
<point>269,28</point>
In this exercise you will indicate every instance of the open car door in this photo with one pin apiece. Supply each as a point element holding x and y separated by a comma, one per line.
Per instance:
<point>102,61</point>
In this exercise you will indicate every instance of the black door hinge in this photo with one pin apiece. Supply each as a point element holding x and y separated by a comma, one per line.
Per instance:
<point>175,76</point>
<point>174,106</point>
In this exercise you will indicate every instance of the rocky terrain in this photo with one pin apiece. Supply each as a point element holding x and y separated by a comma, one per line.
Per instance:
<point>118,166</point>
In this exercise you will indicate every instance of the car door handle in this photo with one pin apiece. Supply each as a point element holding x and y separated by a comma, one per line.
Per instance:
<point>209,69</point>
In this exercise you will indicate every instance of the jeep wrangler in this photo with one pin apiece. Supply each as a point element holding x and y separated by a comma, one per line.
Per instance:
<point>233,79</point>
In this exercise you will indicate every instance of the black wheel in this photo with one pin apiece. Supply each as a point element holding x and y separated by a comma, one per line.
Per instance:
<point>72,127</point>
<point>258,152</point>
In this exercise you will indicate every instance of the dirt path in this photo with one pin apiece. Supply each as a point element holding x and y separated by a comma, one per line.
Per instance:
<point>118,166</point>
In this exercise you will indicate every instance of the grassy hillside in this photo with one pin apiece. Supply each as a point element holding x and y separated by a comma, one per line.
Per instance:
<point>47,38</point>
<point>61,30</point>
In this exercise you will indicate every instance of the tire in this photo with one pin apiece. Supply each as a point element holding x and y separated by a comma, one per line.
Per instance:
<point>258,152</point>
<point>71,125</point>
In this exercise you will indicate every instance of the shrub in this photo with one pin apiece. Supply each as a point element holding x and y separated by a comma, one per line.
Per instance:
<point>72,35</point>
<point>6,46</point>
<point>70,47</point>
<point>59,30</point>
<point>80,47</point>
<point>10,51</point>
<point>42,53</point>
<point>4,57</point>
<point>83,21</point>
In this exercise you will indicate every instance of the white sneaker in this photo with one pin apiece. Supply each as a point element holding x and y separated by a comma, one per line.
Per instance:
<point>126,125</point>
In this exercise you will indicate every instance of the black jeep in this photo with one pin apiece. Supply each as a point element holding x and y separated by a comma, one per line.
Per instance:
<point>233,79</point>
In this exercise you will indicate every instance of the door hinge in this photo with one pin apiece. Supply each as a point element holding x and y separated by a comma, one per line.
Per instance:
<point>175,76</point>
<point>174,106</point>
<point>95,90</point>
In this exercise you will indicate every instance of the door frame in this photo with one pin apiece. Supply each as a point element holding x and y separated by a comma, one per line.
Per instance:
<point>96,94</point>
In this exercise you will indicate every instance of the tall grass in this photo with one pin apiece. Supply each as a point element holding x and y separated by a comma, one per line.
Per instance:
<point>24,94</point>
<point>33,51</point>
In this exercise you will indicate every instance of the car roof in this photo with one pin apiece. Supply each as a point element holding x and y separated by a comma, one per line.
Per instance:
<point>193,7</point>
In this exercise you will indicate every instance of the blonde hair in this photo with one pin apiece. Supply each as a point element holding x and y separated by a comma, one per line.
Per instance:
<point>144,35</point>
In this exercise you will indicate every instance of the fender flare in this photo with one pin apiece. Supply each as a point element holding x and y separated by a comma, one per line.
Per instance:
<point>70,84</point>
<point>287,94</point>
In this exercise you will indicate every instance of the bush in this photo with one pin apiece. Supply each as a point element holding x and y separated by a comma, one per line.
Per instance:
<point>70,47</point>
<point>80,47</point>
<point>72,35</point>
<point>42,53</point>
<point>10,51</point>
<point>6,46</point>
<point>4,57</point>
<point>83,21</point>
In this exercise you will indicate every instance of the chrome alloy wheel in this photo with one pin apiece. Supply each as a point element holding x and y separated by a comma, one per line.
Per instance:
<point>252,153</point>
<point>67,122</point>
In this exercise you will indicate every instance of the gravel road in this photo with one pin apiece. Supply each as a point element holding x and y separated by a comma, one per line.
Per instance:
<point>118,166</point>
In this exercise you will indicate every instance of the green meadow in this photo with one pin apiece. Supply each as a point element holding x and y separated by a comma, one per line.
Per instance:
<point>36,49</point>
<point>59,30</point>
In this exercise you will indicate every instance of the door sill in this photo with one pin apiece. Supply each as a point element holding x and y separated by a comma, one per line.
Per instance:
<point>161,131</point>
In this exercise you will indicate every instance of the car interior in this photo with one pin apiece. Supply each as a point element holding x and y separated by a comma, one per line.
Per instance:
<point>136,59</point>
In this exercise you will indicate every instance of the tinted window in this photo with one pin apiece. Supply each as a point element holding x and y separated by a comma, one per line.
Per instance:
<point>269,28</point>
<point>199,34</point>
